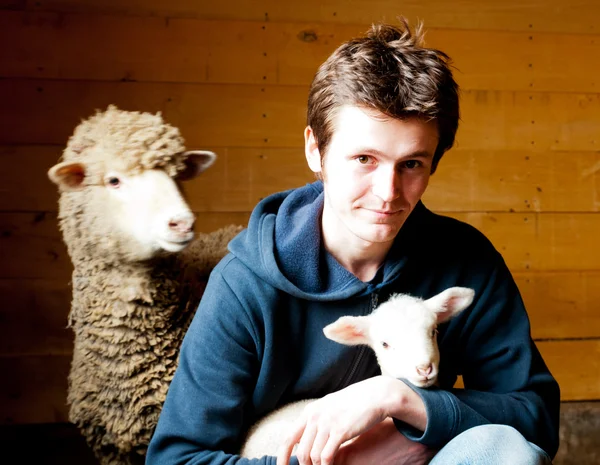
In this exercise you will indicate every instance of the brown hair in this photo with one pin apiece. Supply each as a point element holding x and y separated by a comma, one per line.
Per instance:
<point>388,70</point>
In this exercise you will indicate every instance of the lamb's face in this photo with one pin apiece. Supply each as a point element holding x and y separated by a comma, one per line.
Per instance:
<point>404,339</point>
<point>403,332</point>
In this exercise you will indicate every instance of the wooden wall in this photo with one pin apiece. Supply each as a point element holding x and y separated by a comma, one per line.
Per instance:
<point>234,77</point>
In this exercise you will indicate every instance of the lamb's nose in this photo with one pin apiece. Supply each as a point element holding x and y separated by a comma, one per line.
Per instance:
<point>181,225</point>
<point>424,370</point>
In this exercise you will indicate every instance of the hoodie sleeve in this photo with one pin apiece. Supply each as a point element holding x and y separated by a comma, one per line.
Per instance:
<point>506,380</point>
<point>202,420</point>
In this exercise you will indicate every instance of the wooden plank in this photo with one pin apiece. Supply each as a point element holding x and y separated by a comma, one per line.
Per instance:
<point>34,315</point>
<point>211,221</point>
<point>42,112</point>
<point>31,245</point>
<point>34,389</point>
<point>553,241</point>
<point>569,73</point>
<point>218,115</point>
<point>135,49</point>
<point>532,15</point>
<point>521,61</point>
<point>562,304</point>
<point>12,4</point>
<point>187,50</point>
<point>24,184</point>
<point>539,121</point>
<point>480,180</point>
<point>575,365</point>
<point>567,241</point>
<point>242,177</point>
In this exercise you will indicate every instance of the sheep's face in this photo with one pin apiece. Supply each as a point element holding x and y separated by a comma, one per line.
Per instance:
<point>147,210</point>
<point>403,333</point>
<point>141,214</point>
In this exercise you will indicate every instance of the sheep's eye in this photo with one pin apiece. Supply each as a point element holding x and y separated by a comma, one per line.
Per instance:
<point>384,345</point>
<point>434,332</point>
<point>113,181</point>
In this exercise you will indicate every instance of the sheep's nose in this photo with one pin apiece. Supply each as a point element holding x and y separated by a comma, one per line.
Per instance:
<point>181,225</point>
<point>424,370</point>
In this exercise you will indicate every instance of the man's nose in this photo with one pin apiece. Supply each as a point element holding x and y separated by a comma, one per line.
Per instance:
<point>386,185</point>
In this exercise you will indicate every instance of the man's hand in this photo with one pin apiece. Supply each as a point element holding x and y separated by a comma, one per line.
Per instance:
<point>336,418</point>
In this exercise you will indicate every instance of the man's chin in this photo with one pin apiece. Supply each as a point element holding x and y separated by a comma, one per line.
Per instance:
<point>388,229</point>
<point>380,233</point>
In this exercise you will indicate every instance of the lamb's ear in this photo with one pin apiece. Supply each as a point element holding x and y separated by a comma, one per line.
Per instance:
<point>197,162</point>
<point>450,302</point>
<point>68,176</point>
<point>348,330</point>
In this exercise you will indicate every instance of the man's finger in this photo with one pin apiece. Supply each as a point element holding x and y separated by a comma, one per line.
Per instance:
<point>331,448</point>
<point>285,449</point>
<point>306,444</point>
<point>317,447</point>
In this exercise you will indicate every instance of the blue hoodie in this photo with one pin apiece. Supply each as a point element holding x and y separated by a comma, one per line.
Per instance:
<point>256,341</point>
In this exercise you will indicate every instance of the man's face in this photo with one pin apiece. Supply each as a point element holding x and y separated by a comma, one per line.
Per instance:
<point>374,172</point>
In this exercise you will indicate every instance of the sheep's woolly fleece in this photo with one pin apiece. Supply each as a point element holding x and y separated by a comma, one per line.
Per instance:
<point>129,322</point>
<point>128,315</point>
<point>141,141</point>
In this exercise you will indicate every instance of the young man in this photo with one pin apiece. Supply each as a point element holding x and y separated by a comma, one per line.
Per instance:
<point>382,111</point>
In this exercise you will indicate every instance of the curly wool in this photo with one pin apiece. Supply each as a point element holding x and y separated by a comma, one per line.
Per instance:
<point>143,141</point>
<point>129,322</point>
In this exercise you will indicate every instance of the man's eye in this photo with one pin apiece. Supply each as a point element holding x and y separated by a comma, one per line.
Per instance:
<point>363,159</point>
<point>412,164</point>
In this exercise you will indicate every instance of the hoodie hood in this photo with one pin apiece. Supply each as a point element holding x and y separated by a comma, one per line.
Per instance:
<point>282,245</point>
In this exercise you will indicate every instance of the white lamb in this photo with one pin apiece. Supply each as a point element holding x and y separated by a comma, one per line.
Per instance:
<point>403,333</point>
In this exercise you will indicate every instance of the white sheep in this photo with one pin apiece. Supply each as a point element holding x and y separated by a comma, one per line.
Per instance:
<point>137,277</point>
<point>403,334</point>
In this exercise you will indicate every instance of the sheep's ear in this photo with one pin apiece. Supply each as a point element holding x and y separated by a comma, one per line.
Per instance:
<point>197,162</point>
<point>348,330</point>
<point>68,175</point>
<point>450,302</point>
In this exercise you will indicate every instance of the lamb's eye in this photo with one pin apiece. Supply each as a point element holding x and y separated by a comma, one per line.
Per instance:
<point>113,181</point>
<point>434,332</point>
<point>384,345</point>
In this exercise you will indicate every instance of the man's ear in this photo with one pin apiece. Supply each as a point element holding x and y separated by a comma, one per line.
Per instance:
<point>69,176</point>
<point>311,150</point>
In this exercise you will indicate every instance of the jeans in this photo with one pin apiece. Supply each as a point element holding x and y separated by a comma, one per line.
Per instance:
<point>490,445</point>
